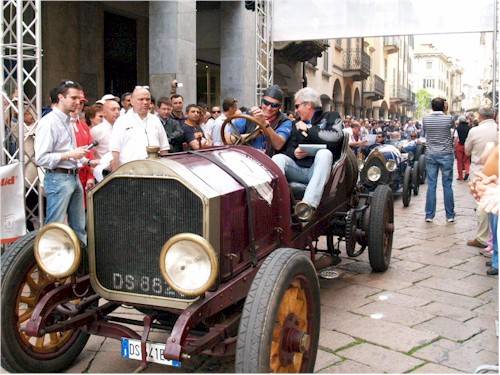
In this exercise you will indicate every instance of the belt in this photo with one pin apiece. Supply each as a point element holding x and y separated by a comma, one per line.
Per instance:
<point>63,170</point>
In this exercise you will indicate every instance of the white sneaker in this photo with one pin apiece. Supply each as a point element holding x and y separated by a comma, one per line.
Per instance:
<point>451,220</point>
<point>428,220</point>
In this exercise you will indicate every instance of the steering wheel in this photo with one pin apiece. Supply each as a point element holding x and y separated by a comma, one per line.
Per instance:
<point>239,139</point>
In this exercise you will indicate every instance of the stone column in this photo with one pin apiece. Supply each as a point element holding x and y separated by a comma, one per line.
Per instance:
<point>375,113</point>
<point>237,53</point>
<point>172,47</point>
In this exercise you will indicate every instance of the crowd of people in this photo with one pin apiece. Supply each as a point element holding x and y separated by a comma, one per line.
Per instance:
<point>78,143</point>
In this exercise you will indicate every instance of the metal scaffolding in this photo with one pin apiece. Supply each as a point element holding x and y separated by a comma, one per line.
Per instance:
<point>264,46</point>
<point>20,81</point>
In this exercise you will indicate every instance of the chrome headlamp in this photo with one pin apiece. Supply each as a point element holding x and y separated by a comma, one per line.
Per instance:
<point>391,165</point>
<point>57,250</point>
<point>374,173</point>
<point>189,264</point>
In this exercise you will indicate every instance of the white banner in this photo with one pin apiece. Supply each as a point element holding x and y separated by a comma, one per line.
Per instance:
<point>295,20</point>
<point>12,214</point>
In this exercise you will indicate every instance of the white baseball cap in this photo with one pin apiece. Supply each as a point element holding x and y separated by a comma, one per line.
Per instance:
<point>108,97</point>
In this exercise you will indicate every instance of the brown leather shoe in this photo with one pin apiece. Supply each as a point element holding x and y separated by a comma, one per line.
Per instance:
<point>475,243</point>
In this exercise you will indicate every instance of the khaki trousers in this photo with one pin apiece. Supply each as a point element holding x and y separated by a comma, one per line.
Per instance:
<point>483,229</point>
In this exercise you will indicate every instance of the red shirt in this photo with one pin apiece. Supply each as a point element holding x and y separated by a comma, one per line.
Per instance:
<point>84,138</point>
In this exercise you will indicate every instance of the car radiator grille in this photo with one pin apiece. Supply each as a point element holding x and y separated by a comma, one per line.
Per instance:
<point>133,218</point>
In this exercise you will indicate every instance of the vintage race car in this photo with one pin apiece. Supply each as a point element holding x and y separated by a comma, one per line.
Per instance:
<point>387,165</point>
<point>417,149</point>
<point>205,245</point>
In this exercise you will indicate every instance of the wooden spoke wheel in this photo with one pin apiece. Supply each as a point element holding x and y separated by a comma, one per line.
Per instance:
<point>279,327</point>
<point>21,291</point>
<point>230,131</point>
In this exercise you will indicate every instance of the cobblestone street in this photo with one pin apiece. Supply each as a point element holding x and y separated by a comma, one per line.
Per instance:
<point>433,311</point>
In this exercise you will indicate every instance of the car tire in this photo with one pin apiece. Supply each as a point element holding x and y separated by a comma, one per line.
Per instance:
<point>406,195</point>
<point>421,169</point>
<point>19,274</point>
<point>415,178</point>
<point>381,229</point>
<point>285,291</point>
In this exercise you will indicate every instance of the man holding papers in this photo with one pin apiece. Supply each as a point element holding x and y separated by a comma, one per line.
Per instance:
<point>314,143</point>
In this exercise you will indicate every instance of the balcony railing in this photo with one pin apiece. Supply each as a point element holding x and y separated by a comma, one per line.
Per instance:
<point>399,93</point>
<point>357,64</point>
<point>375,88</point>
<point>391,44</point>
<point>404,93</point>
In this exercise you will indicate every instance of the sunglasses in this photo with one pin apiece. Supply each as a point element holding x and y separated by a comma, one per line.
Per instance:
<point>215,111</point>
<point>268,103</point>
<point>299,104</point>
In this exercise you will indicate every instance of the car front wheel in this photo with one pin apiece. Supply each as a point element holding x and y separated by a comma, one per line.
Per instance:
<point>23,285</point>
<point>279,327</point>
<point>406,195</point>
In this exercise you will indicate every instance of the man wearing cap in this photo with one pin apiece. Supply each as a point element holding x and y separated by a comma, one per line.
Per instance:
<point>136,130</point>
<point>57,152</point>
<point>102,133</point>
<point>275,126</point>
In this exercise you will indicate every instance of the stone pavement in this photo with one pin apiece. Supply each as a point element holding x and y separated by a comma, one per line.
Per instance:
<point>433,311</point>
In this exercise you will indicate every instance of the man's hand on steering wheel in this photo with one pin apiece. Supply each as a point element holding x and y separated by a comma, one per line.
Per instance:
<point>259,115</point>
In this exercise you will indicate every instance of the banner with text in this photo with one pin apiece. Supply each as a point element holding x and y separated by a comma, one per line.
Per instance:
<point>12,214</point>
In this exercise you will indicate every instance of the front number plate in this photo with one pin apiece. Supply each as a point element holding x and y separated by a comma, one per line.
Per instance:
<point>131,349</point>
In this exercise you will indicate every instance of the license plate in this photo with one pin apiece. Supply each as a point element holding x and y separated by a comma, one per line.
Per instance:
<point>131,349</point>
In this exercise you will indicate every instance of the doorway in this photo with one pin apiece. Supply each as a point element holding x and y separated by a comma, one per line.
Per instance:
<point>120,53</point>
<point>208,83</point>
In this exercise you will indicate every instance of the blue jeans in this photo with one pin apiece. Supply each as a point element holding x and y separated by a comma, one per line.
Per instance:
<point>315,177</point>
<point>494,233</point>
<point>434,163</point>
<point>65,196</point>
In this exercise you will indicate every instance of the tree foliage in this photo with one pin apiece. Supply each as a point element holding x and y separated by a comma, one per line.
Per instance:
<point>423,98</point>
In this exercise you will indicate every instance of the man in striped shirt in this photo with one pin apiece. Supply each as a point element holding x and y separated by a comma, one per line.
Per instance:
<point>437,128</point>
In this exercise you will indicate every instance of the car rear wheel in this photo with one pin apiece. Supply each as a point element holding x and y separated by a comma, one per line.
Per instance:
<point>279,327</point>
<point>381,229</point>
<point>23,285</point>
<point>422,172</point>
<point>415,179</point>
<point>407,187</point>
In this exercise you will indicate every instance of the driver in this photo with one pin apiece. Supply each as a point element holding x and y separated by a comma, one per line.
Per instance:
<point>322,132</point>
<point>276,126</point>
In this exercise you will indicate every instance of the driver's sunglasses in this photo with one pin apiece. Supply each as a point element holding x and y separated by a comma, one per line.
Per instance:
<point>269,104</point>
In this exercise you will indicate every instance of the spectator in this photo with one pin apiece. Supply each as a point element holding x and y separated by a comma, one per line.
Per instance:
<point>475,144</point>
<point>152,106</point>
<point>93,115</point>
<point>463,161</point>
<point>172,127</point>
<point>439,156</point>
<point>125,101</point>
<point>177,108</point>
<point>102,133</point>
<point>290,115</point>
<point>53,101</point>
<point>136,130</point>
<point>83,139</point>
<point>356,141</point>
<point>56,150</point>
<point>193,134</point>
<point>229,108</point>
<point>208,126</point>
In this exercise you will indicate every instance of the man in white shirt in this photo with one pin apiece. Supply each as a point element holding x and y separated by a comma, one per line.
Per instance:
<point>136,130</point>
<point>478,137</point>
<point>229,108</point>
<point>125,100</point>
<point>102,132</point>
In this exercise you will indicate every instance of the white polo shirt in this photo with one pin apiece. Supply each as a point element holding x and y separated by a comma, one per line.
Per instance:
<point>102,134</point>
<point>131,135</point>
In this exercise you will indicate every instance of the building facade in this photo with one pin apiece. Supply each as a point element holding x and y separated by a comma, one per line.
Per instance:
<point>439,75</point>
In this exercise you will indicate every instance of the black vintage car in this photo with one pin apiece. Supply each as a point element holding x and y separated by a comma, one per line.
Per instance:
<point>205,245</point>
<point>387,165</point>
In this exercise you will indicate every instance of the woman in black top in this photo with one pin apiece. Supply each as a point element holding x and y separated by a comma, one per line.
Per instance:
<point>463,161</point>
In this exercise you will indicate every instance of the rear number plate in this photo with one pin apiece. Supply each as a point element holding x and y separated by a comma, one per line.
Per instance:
<point>131,349</point>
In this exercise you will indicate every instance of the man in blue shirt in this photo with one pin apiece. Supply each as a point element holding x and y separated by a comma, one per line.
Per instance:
<point>276,128</point>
